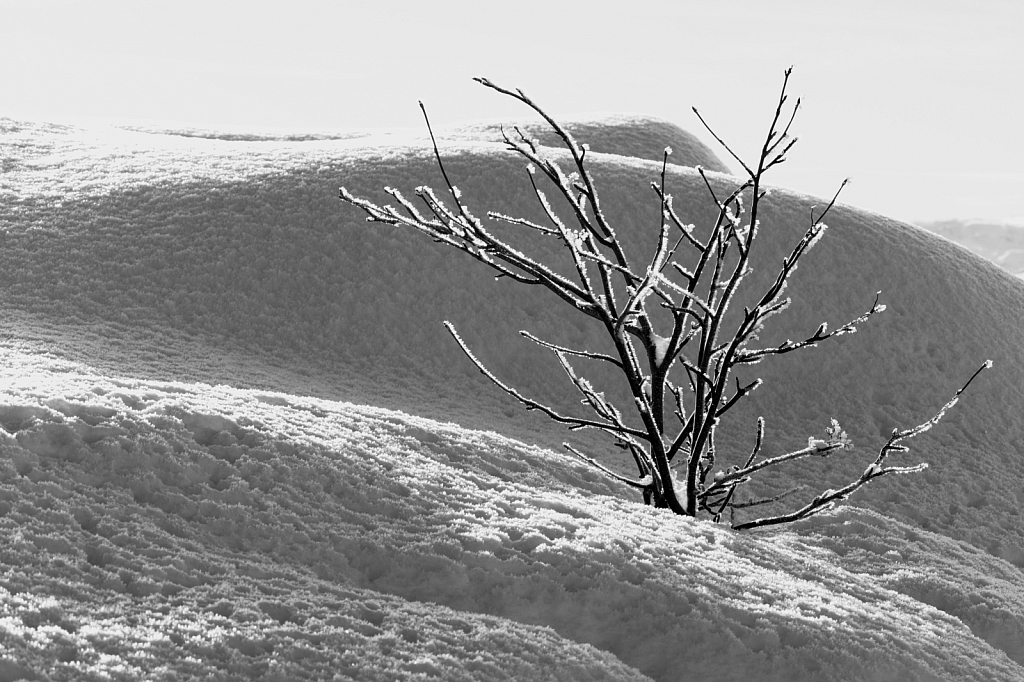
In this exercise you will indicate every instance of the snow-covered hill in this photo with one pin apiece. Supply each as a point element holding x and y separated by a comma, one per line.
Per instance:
<point>211,465</point>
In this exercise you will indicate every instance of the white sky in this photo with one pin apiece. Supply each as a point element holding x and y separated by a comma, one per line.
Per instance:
<point>918,101</point>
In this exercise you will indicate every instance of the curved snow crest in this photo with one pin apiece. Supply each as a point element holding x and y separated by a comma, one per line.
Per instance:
<point>176,527</point>
<point>620,134</point>
<point>236,155</point>
<point>630,135</point>
<point>68,162</point>
<point>64,162</point>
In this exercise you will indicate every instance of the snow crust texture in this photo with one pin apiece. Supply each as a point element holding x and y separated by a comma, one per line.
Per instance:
<point>157,531</point>
<point>162,532</point>
<point>193,483</point>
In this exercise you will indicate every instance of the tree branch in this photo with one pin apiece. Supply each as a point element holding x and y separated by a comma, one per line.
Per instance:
<point>830,497</point>
<point>574,422</point>
<point>643,483</point>
<point>754,356</point>
<point>572,351</point>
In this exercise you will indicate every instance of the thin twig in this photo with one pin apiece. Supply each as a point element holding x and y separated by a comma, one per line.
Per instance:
<point>533,404</point>
<point>572,351</point>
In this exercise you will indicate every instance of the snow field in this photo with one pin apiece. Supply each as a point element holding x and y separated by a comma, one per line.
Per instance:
<point>168,529</point>
<point>157,526</point>
<point>161,255</point>
<point>132,552</point>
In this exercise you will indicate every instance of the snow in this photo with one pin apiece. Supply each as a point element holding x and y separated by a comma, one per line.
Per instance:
<point>172,528</point>
<point>195,481</point>
<point>634,135</point>
<point>159,531</point>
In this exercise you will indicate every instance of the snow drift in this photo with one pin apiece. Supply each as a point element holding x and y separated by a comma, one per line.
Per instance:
<point>157,524</point>
<point>154,530</point>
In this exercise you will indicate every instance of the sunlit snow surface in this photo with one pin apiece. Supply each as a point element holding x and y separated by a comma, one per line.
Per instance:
<point>167,529</point>
<point>223,524</point>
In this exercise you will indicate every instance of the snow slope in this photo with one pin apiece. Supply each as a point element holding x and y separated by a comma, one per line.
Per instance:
<point>183,489</point>
<point>158,530</point>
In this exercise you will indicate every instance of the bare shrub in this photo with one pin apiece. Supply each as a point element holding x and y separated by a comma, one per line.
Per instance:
<point>679,363</point>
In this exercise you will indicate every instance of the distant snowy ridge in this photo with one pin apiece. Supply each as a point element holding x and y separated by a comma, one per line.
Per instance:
<point>1000,241</point>
<point>1017,221</point>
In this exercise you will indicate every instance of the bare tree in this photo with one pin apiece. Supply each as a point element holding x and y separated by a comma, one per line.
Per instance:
<point>678,364</point>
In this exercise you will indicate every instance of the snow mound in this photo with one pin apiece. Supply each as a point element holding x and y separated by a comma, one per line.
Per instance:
<point>158,530</point>
<point>147,535</point>
<point>170,257</point>
<point>156,525</point>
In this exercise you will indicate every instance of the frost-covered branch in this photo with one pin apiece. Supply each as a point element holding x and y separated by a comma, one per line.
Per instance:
<point>876,469</point>
<point>573,422</point>
<point>690,280</point>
